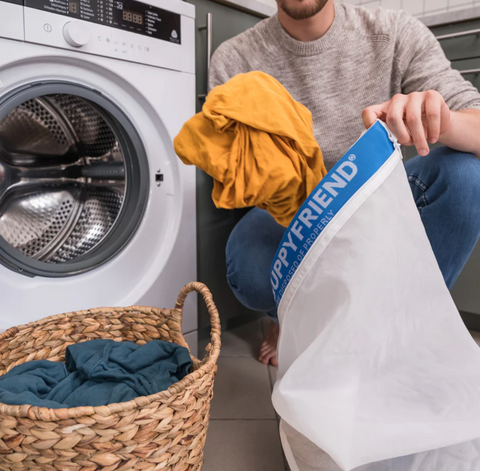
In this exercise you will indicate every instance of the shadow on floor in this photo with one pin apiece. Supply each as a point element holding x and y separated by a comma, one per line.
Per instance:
<point>243,433</point>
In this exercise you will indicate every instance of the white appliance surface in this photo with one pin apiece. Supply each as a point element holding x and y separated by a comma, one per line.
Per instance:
<point>152,82</point>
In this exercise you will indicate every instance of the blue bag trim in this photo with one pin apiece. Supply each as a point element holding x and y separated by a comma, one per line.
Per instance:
<point>350,173</point>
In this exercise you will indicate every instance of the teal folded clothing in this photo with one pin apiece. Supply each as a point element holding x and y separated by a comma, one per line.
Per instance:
<point>96,373</point>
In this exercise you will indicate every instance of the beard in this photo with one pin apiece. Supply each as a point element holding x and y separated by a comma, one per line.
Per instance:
<point>303,9</point>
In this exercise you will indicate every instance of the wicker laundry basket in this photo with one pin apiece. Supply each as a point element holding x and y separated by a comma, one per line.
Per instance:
<point>164,431</point>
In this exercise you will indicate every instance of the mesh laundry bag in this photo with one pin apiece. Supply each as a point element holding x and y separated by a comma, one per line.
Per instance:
<point>377,371</point>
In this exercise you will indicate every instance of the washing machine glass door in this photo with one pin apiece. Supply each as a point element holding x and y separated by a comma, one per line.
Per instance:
<point>73,180</point>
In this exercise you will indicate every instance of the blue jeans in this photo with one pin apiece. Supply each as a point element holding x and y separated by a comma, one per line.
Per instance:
<point>446,188</point>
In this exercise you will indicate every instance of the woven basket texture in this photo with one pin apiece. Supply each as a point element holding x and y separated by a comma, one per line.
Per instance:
<point>164,431</point>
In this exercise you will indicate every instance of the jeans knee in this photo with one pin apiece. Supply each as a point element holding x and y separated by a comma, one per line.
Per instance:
<point>232,269</point>
<point>252,289</point>
<point>233,275</point>
<point>249,254</point>
<point>459,173</point>
<point>456,165</point>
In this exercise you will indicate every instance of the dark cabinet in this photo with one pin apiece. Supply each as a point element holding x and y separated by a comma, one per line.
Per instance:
<point>226,23</point>
<point>461,43</point>
<point>214,225</point>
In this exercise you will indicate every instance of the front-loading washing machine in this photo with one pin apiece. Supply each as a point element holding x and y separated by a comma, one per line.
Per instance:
<point>95,207</point>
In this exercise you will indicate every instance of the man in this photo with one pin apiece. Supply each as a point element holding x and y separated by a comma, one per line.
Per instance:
<point>345,63</point>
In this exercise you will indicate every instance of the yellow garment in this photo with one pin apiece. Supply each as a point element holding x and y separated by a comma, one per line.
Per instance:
<point>257,143</point>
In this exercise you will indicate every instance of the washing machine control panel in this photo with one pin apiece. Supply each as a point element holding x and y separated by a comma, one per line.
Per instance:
<point>11,24</point>
<point>127,15</point>
<point>76,33</point>
<point>120,29</point>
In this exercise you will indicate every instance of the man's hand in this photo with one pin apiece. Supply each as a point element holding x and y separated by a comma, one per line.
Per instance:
<point>415,118</point>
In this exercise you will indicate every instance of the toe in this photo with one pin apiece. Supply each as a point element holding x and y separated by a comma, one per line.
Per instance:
<point>263,359</point>
<point>271,355</point>
<point>266,354</point>
<point>264,349</point>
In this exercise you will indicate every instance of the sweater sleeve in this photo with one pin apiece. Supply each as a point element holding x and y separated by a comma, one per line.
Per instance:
<point>423,66</point>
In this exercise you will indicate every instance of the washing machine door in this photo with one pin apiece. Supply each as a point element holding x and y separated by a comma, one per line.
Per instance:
<point>85,142</point>
<point>73,180</point>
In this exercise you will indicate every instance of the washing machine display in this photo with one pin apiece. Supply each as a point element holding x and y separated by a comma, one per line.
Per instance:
<point>70,190</point>
<point>128,15</point>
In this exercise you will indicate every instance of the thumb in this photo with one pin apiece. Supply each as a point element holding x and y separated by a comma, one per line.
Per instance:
<point>374,112</point>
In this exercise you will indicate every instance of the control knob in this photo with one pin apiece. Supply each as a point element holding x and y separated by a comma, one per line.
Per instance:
<point>76,33</point>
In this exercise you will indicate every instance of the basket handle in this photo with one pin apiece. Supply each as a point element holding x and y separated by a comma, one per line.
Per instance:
<point>215,332</point>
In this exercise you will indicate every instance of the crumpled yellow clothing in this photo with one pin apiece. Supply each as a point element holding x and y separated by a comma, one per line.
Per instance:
<point>257,143</point>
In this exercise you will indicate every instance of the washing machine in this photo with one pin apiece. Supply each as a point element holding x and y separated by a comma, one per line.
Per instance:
<point>95,207</point>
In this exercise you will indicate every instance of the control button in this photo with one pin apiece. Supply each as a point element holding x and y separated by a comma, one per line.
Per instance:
<point>132,46</point>
<point>108,40</point>
<point>76,33</point>
<point>47,27</point>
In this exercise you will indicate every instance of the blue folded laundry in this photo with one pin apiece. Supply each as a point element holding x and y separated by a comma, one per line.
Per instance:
<point>96,373</point>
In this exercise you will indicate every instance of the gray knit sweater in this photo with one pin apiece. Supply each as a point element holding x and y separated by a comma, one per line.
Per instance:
<point>364,59</point>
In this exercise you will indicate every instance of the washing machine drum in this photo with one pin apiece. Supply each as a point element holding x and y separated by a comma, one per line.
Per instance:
<point>71,192</point>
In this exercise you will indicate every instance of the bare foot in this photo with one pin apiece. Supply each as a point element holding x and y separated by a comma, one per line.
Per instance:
<point>268,349</point>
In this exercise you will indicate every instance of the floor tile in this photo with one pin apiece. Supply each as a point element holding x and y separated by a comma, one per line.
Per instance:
<point>242,390</point>
<point>243,341</point>
<point>192,341</point>
<point>265,323</point>
<point>272,371</point>
<point>243,445</point>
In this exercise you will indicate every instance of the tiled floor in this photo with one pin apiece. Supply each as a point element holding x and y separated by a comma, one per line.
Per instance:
<point>243,432</point>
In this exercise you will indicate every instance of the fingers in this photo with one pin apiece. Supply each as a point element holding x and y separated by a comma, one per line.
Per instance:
<point>413,119</point>
<point>395,119</point>
<point>372,113</point>
<point>433,114</point>
<point>445,118</point>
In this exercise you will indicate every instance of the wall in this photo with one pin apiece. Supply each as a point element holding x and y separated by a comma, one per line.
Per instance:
<point>414,7</point>
<point>417,7</point>
<point>271,3</point>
